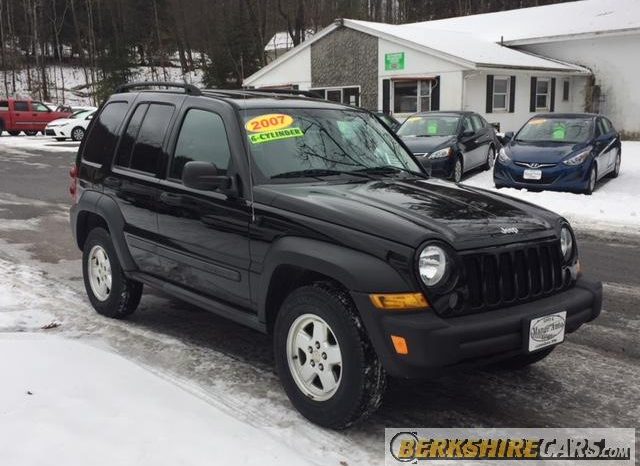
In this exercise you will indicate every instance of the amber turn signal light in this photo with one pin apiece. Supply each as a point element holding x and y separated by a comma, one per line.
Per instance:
<point>399,301</point>
<point>400,344</point>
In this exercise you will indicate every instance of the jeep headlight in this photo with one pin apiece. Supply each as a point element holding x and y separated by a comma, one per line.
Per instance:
<point>566,243</point>
<point>577,159</point>
<point>503,157</point>
<point>432,265</point>
<point>441,154</point>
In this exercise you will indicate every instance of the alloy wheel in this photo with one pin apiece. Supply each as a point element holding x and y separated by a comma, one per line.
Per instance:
<point>314,357</point>
<point>100,277</point>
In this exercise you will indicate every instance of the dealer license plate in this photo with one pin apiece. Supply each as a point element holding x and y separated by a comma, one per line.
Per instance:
<point>547,330</point>
<point>532,174</point>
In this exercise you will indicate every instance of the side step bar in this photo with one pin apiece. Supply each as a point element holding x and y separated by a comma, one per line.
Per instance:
<point>222,309</point>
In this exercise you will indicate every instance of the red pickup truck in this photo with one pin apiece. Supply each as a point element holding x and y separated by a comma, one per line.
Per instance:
<point>26,115</point>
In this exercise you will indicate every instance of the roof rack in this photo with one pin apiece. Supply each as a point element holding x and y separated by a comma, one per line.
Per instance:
<point>258,92</point>
<point>188,88</point>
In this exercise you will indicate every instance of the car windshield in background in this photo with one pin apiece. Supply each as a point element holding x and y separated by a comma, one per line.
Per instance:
<point>322,142</point>
<point>561,130</point>
<point>80,114</point>
<point>430,125</point>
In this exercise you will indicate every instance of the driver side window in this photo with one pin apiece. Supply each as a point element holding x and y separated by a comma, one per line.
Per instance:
<point>202,138</point>
<point>467,126</point>
<point>40,107</point>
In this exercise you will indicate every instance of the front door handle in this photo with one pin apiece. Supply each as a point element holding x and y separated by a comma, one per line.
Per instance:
<point>171,199</point>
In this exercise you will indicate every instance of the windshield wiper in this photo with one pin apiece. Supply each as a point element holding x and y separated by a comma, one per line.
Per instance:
<point>390,169</point>
<point>318,173</point>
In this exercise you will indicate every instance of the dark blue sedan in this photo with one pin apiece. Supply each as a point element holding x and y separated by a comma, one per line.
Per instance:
<point>559,152</point>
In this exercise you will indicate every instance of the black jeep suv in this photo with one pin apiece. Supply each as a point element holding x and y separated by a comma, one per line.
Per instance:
<point>311,221</point>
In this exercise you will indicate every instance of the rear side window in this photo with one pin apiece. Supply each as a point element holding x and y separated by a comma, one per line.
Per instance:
<point>4,105</point>
<point>102,139</point>
<point>202,138</point>
<point>141,147</point>
<point>21,106</point>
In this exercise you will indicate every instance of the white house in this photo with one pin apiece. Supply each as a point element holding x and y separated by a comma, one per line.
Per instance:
<point>569,57</point>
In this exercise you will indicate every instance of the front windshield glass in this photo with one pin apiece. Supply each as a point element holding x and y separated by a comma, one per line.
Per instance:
<point>321,142</point>
<point>430,125</point>
<point>561,130</point>
<point>80,114</point>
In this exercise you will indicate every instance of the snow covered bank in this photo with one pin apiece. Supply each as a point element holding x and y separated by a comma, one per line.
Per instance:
<point>64,402</point>
<point>614,205</point>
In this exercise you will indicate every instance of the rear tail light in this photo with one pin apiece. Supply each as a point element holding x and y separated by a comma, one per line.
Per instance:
<point>73,183</point>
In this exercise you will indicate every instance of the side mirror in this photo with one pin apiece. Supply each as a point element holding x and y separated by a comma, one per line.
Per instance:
<point>506,137</point>
<point>426,164</point>
<point>204,176</point>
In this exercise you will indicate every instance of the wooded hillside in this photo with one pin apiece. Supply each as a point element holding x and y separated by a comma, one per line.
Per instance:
<point>225,38</point>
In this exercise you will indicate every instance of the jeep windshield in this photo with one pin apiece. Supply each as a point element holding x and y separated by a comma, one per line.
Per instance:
<point>430,125</point>
<point>317,143</point>
<point>560,130</point>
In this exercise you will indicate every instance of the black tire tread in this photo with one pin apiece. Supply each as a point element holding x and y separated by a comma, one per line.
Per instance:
<point>125,293</point>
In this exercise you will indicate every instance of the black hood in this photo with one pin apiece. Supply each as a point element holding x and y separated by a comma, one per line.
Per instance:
<point>541,152</point>
<point>427,144</point>
<point>411,211</point>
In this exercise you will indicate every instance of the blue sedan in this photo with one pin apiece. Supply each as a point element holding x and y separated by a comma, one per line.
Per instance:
<point>559,152</point>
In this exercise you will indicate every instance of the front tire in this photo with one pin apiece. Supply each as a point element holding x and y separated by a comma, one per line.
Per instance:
<point>31,133</point>
<point>324,358</point>
<point>111,293</point>
<point>458,170</point>
<point>491,158</point>
<point>77,134</point>
<point>14,133</point>
<point>591,182</point>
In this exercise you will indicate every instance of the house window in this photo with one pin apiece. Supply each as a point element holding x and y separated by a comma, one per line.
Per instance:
<point>565,90</point>
<point>412,96</point>
<point>501,89</point>
<point>346,95</point>
<point>542,93</point>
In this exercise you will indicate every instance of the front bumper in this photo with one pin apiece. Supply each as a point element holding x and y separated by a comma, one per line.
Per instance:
<point>441,168</point>
<point>558,178</point>
<point>437,344</point>
<point>56,131</point>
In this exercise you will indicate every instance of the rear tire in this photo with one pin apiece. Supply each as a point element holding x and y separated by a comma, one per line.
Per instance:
<point>523,360</point>
<point>357,382</point>
<point>31,133</point>
<point>458,170</point>
<point>14,133</point>
<point>111,293</point>
<point>77,133</point>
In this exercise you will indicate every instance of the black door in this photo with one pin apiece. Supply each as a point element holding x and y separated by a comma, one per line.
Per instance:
<point>204,234</point>
<point>134,179</point>
<point>484,137</point>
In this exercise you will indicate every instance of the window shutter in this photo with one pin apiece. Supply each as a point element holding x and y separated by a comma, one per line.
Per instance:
<point>512,95</point>
<point>489,93</point>
<point>552,104</point>
<point>532,103</point>
<point>435,94</point>
<point>386,96</point>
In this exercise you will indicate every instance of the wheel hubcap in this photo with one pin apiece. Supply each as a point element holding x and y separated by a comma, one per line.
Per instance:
<point>99,273</point>
<point>78,134</point>
<point>592,180</point>
<point>314,357</point>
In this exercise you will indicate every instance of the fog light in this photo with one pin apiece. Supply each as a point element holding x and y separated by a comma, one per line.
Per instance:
<point>400,344</point>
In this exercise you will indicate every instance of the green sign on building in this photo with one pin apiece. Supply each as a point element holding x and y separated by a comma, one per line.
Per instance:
<point>394,61</point>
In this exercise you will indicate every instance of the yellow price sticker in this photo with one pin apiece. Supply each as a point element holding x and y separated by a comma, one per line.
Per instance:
<point>269,122</point>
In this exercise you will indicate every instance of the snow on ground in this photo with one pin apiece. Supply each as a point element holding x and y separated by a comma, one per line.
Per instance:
<point>63,401</point>
<point>19,144</point>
